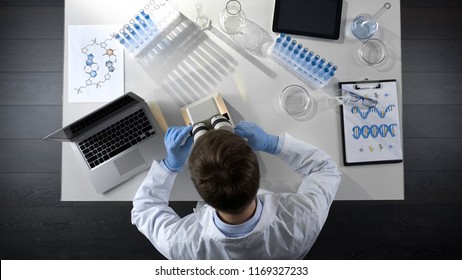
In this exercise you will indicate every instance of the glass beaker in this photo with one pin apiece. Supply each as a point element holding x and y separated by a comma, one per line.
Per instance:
<point>365,26</point>
<point>232,18</point>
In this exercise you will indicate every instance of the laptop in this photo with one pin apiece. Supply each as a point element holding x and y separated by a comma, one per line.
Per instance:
<point>115,142</point>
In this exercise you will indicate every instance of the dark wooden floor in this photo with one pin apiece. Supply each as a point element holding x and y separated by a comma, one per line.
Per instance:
<point>34,224</point>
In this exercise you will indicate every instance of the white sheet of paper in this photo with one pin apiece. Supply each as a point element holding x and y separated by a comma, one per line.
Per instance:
<point>96,64</point>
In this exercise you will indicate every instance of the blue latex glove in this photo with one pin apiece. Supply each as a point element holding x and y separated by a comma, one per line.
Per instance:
<point>256,137</point>
<point>178,143</point>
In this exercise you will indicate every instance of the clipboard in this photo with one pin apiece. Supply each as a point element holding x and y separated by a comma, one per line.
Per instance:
<point>371,135</point>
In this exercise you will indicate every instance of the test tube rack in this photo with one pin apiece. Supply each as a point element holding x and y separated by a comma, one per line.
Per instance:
<point>301,61</point>
<point>147,27</point>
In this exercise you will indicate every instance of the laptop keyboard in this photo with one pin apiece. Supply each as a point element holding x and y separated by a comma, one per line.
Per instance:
<point>116,138</point>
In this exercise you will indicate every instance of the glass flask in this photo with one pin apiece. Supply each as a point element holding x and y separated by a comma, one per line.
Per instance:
<point>232,18</point>
<point>365,26</point>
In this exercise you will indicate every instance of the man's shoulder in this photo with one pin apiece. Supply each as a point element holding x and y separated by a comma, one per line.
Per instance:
<point>280,203</point>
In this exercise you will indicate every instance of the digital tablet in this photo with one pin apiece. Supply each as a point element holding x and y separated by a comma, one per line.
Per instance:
<point>316,18</point>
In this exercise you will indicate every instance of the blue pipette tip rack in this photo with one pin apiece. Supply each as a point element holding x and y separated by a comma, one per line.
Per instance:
<point>305,64</point>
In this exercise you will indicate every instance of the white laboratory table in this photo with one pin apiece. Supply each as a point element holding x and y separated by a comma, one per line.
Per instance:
<point>250,84</point>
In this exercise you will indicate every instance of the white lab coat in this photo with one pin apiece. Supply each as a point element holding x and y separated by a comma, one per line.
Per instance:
<point>288,226</point>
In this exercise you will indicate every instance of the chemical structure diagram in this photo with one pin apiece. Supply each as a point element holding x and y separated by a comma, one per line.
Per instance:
<point>95,52</point>
<point>377,148</point>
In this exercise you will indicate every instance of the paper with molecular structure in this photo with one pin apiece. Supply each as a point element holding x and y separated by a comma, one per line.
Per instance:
<point>95,64</point>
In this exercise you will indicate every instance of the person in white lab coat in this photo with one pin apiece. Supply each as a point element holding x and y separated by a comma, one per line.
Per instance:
<point>237,219</point>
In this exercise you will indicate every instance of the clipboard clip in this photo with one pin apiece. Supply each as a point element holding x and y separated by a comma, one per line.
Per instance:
<point>366,85</point>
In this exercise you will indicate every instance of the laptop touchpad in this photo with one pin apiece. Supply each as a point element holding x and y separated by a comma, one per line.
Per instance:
<point>129,162</point>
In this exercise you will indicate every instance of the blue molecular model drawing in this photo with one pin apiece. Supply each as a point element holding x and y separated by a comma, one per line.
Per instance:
<point>95,64</point>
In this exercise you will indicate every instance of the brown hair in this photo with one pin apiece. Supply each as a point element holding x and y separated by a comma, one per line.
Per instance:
<point>224,170</point>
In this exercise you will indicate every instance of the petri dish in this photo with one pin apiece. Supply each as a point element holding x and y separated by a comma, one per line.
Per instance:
<point>373,51</point>
<point>295,100</point>
<point>251,36</point>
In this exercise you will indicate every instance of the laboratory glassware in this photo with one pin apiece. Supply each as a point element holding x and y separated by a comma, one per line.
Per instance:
<point>373,52</point>
<point>295,101</point>
<point>365,26</point>
<point>232,18</point>
<point>202,21</point>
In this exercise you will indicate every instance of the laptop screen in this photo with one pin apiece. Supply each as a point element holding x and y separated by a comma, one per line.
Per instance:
<point>91,120</point>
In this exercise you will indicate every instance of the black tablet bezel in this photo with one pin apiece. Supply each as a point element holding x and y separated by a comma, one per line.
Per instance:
<point>335,35</point>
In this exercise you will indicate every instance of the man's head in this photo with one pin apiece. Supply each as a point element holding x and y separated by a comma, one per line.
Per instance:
<point>224,170</point>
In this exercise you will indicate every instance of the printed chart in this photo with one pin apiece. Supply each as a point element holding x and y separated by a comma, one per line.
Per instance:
<point>96,60</point>
<point>372,134</point>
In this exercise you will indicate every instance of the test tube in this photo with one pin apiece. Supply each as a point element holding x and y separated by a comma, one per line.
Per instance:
<point>283,46</point>
<point>291,47</point>
<point>313,62</point>
<point>294,54</point>
<point>148,19</point>
<point>140,30</point>
<point>325,70</point>
<point>133,33</point>
<point>307,58</point>
<point>129,39</point>
<point>299,47</point>
<point>293,43</point>
<point>319,65</point>
<point>278,44</point>
<point>123,42</point>
<point>331,73</point>
<point>289,50</point>
<point>300,58</point>
<point>149,30</point>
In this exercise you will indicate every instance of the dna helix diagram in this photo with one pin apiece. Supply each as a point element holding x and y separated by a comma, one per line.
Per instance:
<point>365,114</point>
<point>373,131</point>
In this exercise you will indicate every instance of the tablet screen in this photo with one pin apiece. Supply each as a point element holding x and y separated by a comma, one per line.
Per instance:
<point>316,18</point>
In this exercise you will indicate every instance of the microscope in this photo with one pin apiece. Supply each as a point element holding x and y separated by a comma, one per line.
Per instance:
<point>207,113</point>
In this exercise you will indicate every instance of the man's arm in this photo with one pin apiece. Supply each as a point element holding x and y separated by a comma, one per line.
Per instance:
<point>150,212</point>
<point>320,176</point>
